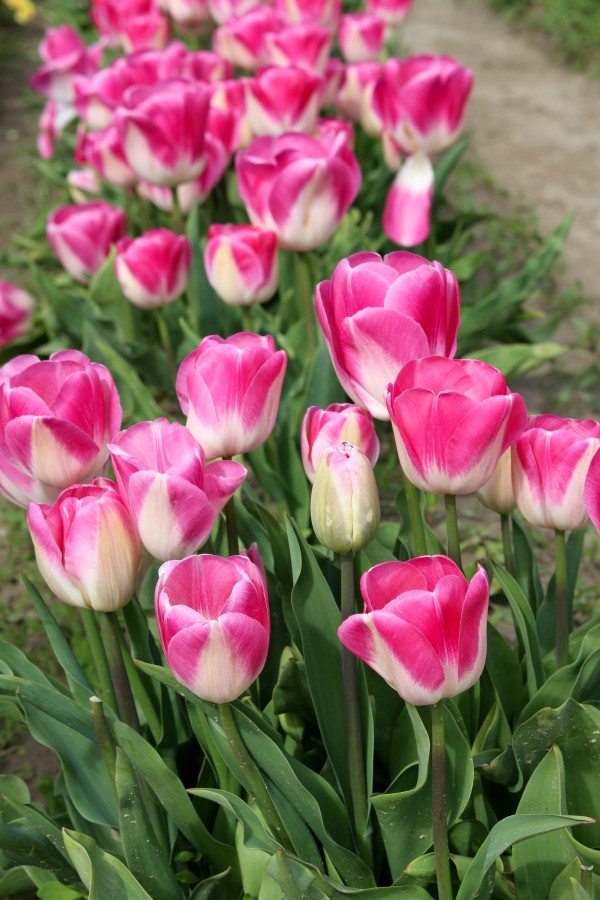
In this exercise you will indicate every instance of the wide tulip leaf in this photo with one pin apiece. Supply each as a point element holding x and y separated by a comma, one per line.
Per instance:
<point>525,626</point>
<point>503,667</point>
<point>568,881</point>
<point>24,845</point>
<point>102,874</point>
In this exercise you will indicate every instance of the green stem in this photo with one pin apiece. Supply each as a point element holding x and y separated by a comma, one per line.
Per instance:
<point>587,878</point>
<point>233,547</point>
<point>507,545</point>
<point>452,530</point>
<point>416,519</point>
<point>109,626</point>
<point>253,776</point>
<point>356,760</point>
<point>438,803</point>
<point>103,738</point>
<point>247,322</point>
<point>561,600</point>
<point>165,339</point>
<point>304,288</point>
<point>96,647</point>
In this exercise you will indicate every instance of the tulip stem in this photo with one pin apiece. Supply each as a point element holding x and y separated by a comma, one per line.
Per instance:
<point>356,760</point>
<point>416,518</point>
<point>103,738</point>
<point>452,530</point>
<point>507,545</point>
<point>561,600</point>
<point>96,647</point>
<point>304,288</point>
<point>109,626</point>
<point>438,803</point>
<point>165,339</point>
<point>254,778</point>
<point>233,547</point>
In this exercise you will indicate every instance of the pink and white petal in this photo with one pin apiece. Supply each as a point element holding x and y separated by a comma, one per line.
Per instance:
<point>49,559</point>
<point>407,211</point>
<point>383,583</point>
<point>472,642</point>
<point>221,480</point>
<point>592,491</point>
<point>57,453</point>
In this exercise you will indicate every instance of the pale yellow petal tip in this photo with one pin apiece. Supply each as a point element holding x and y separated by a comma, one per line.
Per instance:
<point>23,10</point>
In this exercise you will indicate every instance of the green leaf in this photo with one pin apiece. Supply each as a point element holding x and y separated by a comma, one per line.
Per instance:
<point>515,360</point>
<point>562,887</point>
<point>526,629</point>
<point>545,619</point>
<point>210,886</point>
<point>503,668</point>
<point>14,788</point>
<point>103,875</point>
<point>54,890</point>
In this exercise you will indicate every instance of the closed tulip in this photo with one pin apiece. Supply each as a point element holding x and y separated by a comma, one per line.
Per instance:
<point>16,312</point>
<point>361,36</point>
<point>407,211</point>
<point>340,422</point>
<point>344,504</point>
<point>149,31</point>
<point>82,235</point>
<point>377,314</point>
<point>220,139</point>
<point>298,186</point>
<point>65,57</point>
<point>229,389</point>
<point>305,46</point>
<point>206,65</point>
<point>86,546</point>
<point>283,99</point>
<point>591,494</point>
<point>353,96</point>
<point>152,270</point>
<point>164,131</point>
<point>241,263</point>
<point>242,41</point>
<point>104,152</point>
<point>83,184</point>
<point>110,16</point>
<point>423,628</point>
<point>326,13</point>
<point>497,493</point>
<point>213,621</point>
<point>188,15</point>
<point>56,419</point>
<point>550,464</point>
<point>173,496</point>
<point>223,11</point>
<point>392,12</point>
<point>453,420</point>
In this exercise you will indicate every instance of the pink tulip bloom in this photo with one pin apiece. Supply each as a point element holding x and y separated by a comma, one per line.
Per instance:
<point>206,65</point>
<point>109,16</point>
<point>241,263</point>
<point>149,31</point>
<point>229,389</point>
<point>161,197</point>
<point>104,152</point>
<point>65,57</point>
<point>591,494</point>
<point>392,12</point>
<point>213,620</point>
<point>56,419</point>
<point>325,13</point>
<point>340,422</point>
<point>229,96</point>
<point>453,419</point>
<point>353,98</point>
<point>81,235</point>
<point>86,546</point>
<point>223,11</point>
<point>377,314</point>
<point>220,139</point>
<point>173,496</point>
<point>329,130</point>
<point>83,184</point>
<point>283,99</point>
<point>152,270</point>
<point>298,186</point>
<point>361,37</point>
<point>306,46</point>
<point>333,77</point>
<point>423,628</point>
<point>550,464</point>
<point>406,215</point>
<point>189,15</point>
<point>163,131</point>
<point>242,41</point>
<point>497,493</point>
<point>16,312</point>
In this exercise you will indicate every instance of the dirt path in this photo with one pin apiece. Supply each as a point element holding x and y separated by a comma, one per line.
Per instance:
<point>535,123</point>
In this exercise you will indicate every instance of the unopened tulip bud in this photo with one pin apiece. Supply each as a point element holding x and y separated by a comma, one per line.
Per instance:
<point>241,263</point>
<point>497,493</point>
<point>344,506</point>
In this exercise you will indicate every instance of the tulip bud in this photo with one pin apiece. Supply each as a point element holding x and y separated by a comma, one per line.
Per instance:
<point>81,235</point>
<point>16,311</point>
<point>86,546</point>
<point>324,428</point>
<point>344,505</point>
<point>241,263</point>
<point>152,270</point>
<point>361,36</point>
<point>497,493</point>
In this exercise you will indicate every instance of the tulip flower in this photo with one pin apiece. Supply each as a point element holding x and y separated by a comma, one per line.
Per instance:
<point>242,41</point>
<point>423,628</point>
<point>146,32</point>
<point>56,419</point>
<point>229,389</point>
<point>172,495</point>
<point>453,420</point>
<point>65,57</point>
<point>220,139</point>
<point>213,621</point>
<point>591,494</point>
<point>104,152</point>
<point>298,186</point>
<point>326,13</point>
<point>497,493</point>
<point>163,131</point>
<point>224,11</point>
<point>344,504</point>
<point>16,312</point>
<point>550,464</point>
<point>188,15</point>
<point>283,99</point>
<point>81,235</point>
<point>353,97</point>
<point>86,546</point>
<point>241,263</point>
<point>206,65</point>
<point>110,16</point>
<point>361,36</point>
<point>83,184</point>
<point>161,197</point>
<point>377,314</point>
<point>407,211</point>
<point>304,46</point>
<point>230,97</point>
<point>392,12</point>
<point>340,422</point>
<point>152,270</point>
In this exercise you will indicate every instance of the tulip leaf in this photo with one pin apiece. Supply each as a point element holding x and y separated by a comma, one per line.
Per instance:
<point>102,874</point>
<point>502,666</point>
<point>515,360</point>
<point>525,626</point>
<point>23,845</point>
<point>255,834</point>
<point>563,888</point>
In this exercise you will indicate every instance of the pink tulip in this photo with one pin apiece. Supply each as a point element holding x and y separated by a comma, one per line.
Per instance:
<point>423,628</point>
<point>497,493</point>
<point>591,493</point>
<point>161,197</point>
<point>109,16</point>
<point>86,546</point>
<point>163,132</point>
<point>206,65</point>
<point>550,464</point>
<point>149,31</point>
<point>361,37</point>
<point>213,620</point>
<point>104,152</point>
<point>333,77</point>
<point>242,41</point>
<point>81,235</point>
<point>83,184</point>
<point>172,495</point>
<point>283,99</point>
<point>230,97</point>
<point>298,186</point>
<point>229,389</point>
<point>393,12</point>
<point>16,312</point>
<point>453,419</point>
<point>306,46</point>
<point>377,314</point>
<point>220,137</point>
<point>65,57</point>
<point>353,98</point>
<point>340,422</point>
<point>189,15</point>
<point>224,11</point>
<point>406,215</point>
<point>152,270</point>
<point>329,130</point>
<point>241,263</point>
<point>56,419</point>
<point>325,13</point>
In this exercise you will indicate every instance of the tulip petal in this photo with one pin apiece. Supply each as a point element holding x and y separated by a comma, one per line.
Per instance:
<point>57,453</point>
<point>406,216</point>
<point>221,480</point>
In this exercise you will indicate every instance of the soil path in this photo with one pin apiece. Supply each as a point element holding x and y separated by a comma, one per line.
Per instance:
<point>535,123</point>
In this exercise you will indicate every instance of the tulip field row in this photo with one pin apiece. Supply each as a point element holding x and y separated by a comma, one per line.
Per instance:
<point>255,364</point>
